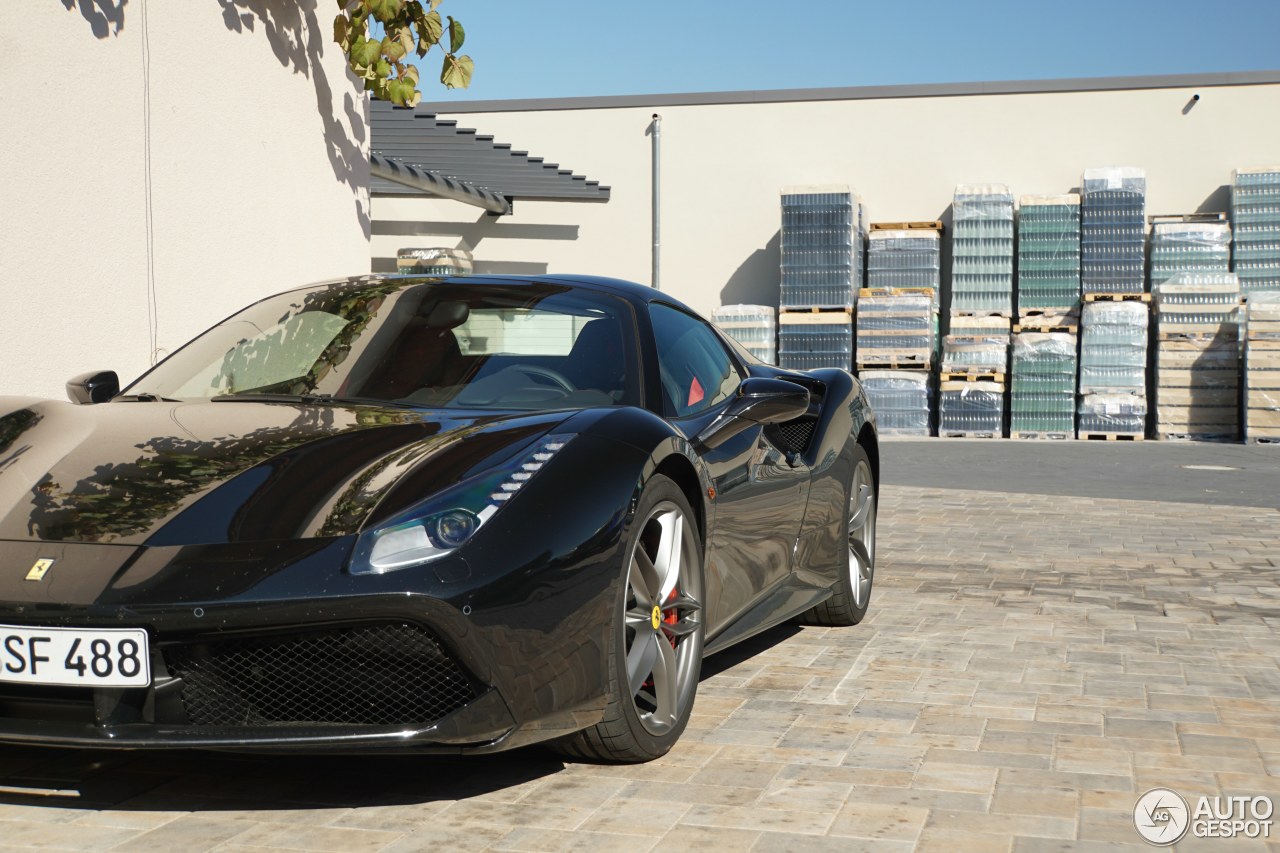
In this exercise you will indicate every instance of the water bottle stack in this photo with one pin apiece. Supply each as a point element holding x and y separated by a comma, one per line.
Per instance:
<point>1049,259</point>
<point>1113,230</point>
<point>1262,368</point>
<point>823,244</point>
<point>1042,400</point>
<point>1198,356</point>
<point>1113,367</point>
<point>901,400</point>
<point>1255,213</point>
<point>982,250</point>
<point>897,322</point>
<point>972,382</point>
<point>753,326</point>
<point>1187,245</point>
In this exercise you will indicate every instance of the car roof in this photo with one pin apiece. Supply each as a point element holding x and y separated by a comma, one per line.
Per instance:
<point>629,290</point>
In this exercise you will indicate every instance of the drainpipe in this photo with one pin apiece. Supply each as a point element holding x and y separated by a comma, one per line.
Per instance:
<point>656,134</point>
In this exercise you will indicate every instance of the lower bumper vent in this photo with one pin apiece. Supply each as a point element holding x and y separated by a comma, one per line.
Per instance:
<point>369,675</point>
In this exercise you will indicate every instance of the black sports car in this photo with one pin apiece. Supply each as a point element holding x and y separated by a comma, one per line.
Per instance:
<point>417,513</point>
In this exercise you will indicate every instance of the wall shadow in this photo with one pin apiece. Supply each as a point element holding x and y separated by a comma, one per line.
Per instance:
<point>105,17</point>
<point>1218,201</point>
<point>298,39</point>
<point>757,279</point>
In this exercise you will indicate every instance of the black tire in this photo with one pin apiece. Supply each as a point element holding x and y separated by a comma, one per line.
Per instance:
<point>851,593</point>
<point>644,723</point>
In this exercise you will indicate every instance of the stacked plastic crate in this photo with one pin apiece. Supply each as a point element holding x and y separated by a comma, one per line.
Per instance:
<point>1113,230</point>
<point>975,352</point>
<point>1197,386</point>
<point>823,243</point>
<point>1262,368</point>
<point>1255,213</point>
<point>897,324</point>
<point>1049,259</point>
<point>753,326</point>
<point>1113,367</point>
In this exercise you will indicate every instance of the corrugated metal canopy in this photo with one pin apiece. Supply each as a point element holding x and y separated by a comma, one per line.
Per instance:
<point>430,144</point>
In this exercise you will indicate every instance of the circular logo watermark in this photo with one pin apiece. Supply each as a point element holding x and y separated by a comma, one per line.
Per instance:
<point>1161,816</point>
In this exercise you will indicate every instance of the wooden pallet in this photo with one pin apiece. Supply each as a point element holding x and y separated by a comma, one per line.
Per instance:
<point>1186,217</point>
<point>971,376</point>
<point>1023,435</point>
<point>1023,327</point>
<point>1205,335</point>
<point>874,292</point>
<point>894,364</point>
<point>1263,439</point>
<point>930,225</point>
<point>1117,297</point>
<point>1008,315</point>
<point>1110,436</point>
<point>816,309</point>
<point>952,434</point>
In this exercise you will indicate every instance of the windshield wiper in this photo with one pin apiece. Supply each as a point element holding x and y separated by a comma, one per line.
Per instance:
<point>307,399</point>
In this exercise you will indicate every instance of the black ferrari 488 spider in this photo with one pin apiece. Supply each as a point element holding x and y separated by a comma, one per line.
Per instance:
<point>460,514</point>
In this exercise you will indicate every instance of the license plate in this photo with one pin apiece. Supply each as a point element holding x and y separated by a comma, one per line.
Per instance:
<point>76,657</point>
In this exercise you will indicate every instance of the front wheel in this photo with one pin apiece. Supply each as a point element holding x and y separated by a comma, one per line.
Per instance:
<point>655,654</point>
<point>851,593</point>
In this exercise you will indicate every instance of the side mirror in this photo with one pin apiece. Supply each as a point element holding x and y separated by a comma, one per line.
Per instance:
<point>759,401</point>
<point>97,387</point>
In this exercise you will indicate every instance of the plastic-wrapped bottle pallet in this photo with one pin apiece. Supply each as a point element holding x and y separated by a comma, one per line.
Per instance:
<point>1113,369</point>
<point>975,354</point>
<point>1197,385</point>
<point>968,409</point>
<point>434,261</point>
<point>753,326</point>
<point>901,400</point>
<point>896,331</point>
<point>1189,247</point>
<point>982,250</point>
<point>823,244</point>
<point>808,340</point>
<point>1262,368</point>
<point>1049,257</point>
<point>1255,214</point>
<point>898,259</point>
<point>1042,400</point>
<point>1113,230</point>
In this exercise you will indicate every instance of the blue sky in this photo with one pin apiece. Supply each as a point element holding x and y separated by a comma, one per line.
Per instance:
<point>564,48</point>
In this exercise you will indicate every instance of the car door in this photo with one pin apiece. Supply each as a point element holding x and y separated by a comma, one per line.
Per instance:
<point>760,496</point>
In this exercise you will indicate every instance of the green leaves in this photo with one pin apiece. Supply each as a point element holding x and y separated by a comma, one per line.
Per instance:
<point>404,27</point>
<point>456,73</point>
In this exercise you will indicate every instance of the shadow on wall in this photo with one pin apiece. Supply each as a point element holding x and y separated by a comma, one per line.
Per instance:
<point>757,279</point>
<point>298,39</point>
<point>1218,201</point>
<point>468,236</point>
<point>105,17</point>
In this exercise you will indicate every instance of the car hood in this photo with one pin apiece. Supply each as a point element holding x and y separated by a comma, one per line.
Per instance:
<point>187,473</point>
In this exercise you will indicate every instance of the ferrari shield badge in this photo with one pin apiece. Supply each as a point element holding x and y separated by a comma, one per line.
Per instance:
<point>39,570</point>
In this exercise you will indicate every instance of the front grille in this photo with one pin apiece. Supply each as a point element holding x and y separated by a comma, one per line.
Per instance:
<point>369,675</point>
<point>793,436</point>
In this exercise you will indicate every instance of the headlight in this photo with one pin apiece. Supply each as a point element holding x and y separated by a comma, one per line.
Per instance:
<point>448,521</point>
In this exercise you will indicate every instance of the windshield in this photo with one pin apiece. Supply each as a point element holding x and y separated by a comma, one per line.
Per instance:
<point>510,346</point>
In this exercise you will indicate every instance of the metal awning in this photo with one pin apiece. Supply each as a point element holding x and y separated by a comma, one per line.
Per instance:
<point>452,162</point>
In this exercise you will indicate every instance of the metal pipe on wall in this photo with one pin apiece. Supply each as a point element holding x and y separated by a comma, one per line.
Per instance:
<point>655,131</point>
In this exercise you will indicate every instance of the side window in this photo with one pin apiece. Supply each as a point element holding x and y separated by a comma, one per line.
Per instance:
<point>697,372</point>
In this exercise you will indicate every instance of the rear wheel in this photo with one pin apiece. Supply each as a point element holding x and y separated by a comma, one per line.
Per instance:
<point>656,642</point>
<point>851,594</point>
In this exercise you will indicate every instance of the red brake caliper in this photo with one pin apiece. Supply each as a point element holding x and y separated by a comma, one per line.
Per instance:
<point>669,617</point>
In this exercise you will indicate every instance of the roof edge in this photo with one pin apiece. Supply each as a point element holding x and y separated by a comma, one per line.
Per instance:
<point>855,93</point>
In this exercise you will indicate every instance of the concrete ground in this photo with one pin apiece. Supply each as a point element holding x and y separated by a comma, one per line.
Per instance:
<point>1055,630</point>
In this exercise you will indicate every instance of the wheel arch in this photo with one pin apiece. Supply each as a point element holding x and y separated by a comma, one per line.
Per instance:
<point>867,441</point>
<point>680,470</point>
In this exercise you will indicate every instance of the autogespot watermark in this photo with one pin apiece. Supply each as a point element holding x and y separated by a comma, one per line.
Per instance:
<point>1163,817</point>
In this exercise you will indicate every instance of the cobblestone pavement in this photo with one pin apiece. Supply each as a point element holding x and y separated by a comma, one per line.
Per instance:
<point>1031,666</point>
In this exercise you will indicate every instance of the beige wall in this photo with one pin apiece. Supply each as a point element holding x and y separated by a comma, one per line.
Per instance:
<point>254,150</point>
<point>723,166</point>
